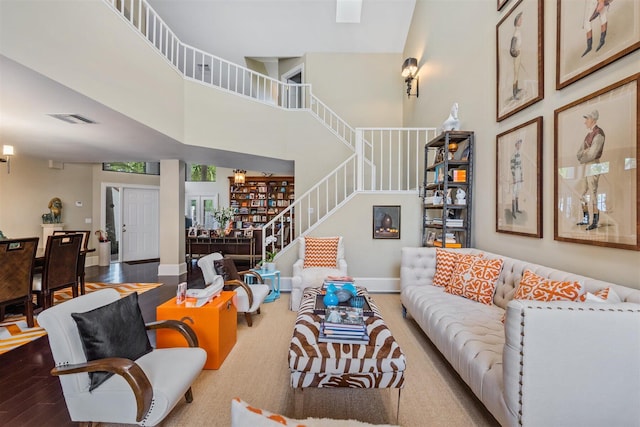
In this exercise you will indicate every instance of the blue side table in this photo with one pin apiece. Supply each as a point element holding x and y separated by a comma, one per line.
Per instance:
<point>274,277</point>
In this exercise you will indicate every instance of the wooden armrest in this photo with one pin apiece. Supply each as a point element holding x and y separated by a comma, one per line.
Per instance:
<point>127,369</point>
<point>252,273</point>
<point>177,325</point>
<point>235,283</point>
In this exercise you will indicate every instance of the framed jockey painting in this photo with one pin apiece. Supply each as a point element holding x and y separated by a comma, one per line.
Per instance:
<point>519,58</point>
<point>519,180</point>
<point>595,162</point>
<point>592,34</point>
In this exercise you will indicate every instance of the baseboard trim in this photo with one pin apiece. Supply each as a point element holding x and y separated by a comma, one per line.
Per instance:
<point>373,284</point>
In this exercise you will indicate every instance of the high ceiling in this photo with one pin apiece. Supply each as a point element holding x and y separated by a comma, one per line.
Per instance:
<point>232,29</point>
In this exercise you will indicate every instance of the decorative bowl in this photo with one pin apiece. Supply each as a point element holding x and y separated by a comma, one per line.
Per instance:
<point>349,288</point>
<point>343,295</point>
<point>330,299</point>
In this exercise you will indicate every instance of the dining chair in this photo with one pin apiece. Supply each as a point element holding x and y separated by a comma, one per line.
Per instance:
<point>83,253</point>
<point>60,268</point>
<point>16,274</point>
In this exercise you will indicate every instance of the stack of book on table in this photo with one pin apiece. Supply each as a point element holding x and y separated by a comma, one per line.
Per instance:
<point>343,325</point>
<point>337,281</point>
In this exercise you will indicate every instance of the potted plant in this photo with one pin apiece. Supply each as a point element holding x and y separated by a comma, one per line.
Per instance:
<point>267,263</point>
<point>222,217</point>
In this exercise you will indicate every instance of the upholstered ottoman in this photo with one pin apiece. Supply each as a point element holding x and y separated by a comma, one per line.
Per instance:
<point>379,364</point>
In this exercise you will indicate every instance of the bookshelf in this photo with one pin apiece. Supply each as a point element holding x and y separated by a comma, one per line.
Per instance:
<point>260,199</point>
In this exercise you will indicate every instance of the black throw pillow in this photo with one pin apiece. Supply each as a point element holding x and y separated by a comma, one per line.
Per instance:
<point>227,269</point>
<point>113,330</point>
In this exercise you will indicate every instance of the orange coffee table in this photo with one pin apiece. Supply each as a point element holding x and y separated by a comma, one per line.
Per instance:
<point>215,324</point>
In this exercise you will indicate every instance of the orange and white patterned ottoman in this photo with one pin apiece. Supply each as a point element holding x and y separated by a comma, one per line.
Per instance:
<point>379,364</point>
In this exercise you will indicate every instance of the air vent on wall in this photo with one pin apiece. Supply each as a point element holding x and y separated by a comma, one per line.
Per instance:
<point>75,119</point>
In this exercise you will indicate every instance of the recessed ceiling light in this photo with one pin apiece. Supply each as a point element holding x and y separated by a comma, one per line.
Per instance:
<point>75,119</point>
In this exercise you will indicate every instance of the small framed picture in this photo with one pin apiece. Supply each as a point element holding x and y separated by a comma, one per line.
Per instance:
<point>248,232</point>
<point>595,163</point>
<point>386,222</point>
<point>193,232</point>
<point>204,233</point>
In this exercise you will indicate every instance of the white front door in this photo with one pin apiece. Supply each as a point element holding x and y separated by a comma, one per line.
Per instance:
<point>140,224</point>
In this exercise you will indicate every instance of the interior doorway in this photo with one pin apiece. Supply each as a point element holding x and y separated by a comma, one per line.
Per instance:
<point>131,220</point>
<point>295,96</point>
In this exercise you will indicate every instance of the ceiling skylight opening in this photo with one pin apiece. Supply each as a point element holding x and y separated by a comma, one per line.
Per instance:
<point>74,119</point>
<point>348,11</point>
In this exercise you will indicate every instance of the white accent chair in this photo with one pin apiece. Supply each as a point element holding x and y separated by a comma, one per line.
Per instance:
<point>249,296</point>
<point>313,276</point>
<point>142,392</point>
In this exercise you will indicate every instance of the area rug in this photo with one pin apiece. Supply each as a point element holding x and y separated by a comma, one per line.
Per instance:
<point>14,331</point>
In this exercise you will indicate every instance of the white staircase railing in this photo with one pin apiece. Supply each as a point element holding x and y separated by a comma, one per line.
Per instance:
<point>384,159</point>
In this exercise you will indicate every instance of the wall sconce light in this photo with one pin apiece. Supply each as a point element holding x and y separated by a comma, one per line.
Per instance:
<point>239,176</point>
<point>409,70</point>
<point>7,151</point>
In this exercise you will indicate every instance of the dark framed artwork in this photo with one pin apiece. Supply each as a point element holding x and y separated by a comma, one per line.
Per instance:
<point>596,176</point>
<point>519,180</point>
<point>501,3</point>
<point>386,222</point>
<point>519,58</point>
<point>593,34</point>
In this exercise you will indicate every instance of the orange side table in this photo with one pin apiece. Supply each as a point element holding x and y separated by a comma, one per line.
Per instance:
<point>214,323</point>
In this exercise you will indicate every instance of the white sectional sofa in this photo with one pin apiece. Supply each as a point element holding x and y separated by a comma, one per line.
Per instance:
<point>560,363</point>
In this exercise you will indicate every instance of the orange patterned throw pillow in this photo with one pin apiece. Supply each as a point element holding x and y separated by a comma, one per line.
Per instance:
<point>475,278</point>
<point>534,287</point>
<point>445,264</point>
<point>321,252</point>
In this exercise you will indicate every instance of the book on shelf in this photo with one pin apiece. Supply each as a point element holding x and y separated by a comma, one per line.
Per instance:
<point>361,339</point>
<point>447,244</point>
<point>342,315</point>
<point>344,332</point>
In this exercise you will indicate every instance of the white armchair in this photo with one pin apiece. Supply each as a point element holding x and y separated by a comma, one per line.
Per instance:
<point>143,391</point>
<point>249,297</point>
<point>320,251</point>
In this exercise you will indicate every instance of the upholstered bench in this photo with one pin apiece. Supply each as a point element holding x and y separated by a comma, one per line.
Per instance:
<point>380,364</point>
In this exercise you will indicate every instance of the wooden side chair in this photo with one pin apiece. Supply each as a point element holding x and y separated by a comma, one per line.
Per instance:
<point>249,297</point>
<point>82,259</point>
<point>60,268</point>
<point>16,274</point>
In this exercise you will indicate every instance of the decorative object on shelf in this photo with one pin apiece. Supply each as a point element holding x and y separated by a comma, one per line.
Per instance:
<point>102,236</point>
<point>519,73</point>
<point>579,53</point>
<point>55,212</point>
<point>595,197</point>
<point>452,122</point>
<point>7,152</point>
<point>519,180</point>
<point>222,216</point>
<point>409,72</point>
<point>386,222</point>
<point>357,301</point>
<point>239,176</point>
<point>460,197</point>
<point>2,236</point>
<point>330,299</point>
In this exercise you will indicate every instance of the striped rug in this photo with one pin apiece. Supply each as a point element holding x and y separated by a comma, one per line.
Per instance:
<point>14,331</point>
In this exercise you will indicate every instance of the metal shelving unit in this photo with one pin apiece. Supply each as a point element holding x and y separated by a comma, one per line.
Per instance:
<point>448,170</point>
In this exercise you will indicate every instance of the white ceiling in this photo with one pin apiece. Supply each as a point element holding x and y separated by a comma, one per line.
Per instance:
<point>231,29</point>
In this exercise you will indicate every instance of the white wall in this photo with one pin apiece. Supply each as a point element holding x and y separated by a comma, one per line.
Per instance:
<point>459,66</point>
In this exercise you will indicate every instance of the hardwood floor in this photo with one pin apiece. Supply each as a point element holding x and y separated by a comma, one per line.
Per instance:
<point>29,395</point>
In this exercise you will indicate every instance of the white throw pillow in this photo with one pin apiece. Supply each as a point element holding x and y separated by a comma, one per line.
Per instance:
<point>244,415</point>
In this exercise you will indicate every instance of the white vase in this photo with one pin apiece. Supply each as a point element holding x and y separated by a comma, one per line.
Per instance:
<point>270,266</point>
